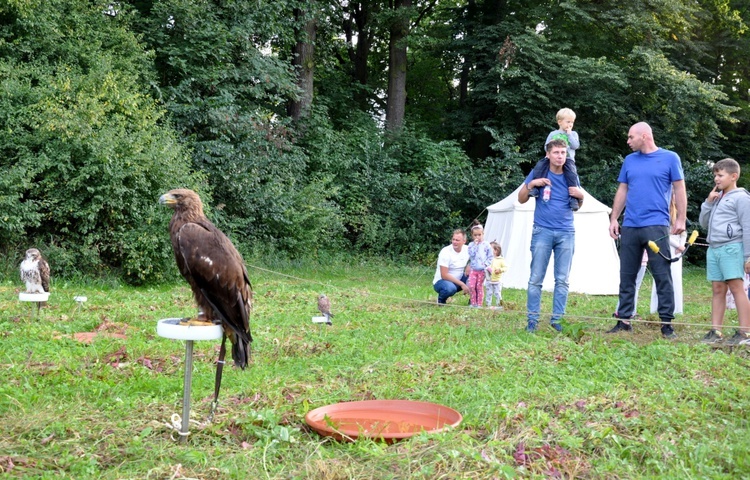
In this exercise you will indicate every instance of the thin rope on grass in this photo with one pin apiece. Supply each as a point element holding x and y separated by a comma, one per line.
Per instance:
<point>505,310</point>
<point>175,425</point>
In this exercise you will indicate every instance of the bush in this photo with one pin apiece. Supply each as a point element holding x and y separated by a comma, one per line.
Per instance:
<point>402,195</point>
<point>86,153</point>
<point>260,189</point>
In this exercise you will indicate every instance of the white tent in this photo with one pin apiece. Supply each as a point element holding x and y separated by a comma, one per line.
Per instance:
<point>596,264</point>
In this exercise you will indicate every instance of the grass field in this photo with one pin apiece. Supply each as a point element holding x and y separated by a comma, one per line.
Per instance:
<point>578,405</point>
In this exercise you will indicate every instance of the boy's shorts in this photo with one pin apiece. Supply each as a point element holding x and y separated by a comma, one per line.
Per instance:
<point>725,263</point>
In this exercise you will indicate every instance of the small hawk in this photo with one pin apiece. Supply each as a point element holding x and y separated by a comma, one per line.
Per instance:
<point>35,272</point>
<point>324,305</point>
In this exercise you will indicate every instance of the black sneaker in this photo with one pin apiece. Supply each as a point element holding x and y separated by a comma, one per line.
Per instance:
<point>620,326</point>
<point>574,204</point>
<point>667,332</point>
<point>739,338</point>
<point>713,336</point>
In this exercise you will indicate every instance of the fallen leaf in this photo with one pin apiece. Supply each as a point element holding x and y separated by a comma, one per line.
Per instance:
<point>88,337</point>
<point>520,455</point>
<point>7,464</point>
<point>117,357</point>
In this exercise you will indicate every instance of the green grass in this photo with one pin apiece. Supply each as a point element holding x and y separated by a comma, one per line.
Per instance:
<point>578,405</point>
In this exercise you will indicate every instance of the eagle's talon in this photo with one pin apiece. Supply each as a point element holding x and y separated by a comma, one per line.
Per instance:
<point>193,322</point>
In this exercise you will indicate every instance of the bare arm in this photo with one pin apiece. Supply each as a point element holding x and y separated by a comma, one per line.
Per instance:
<point>523,194</point>
<point>576,192</point>
<point>680,201</point>
<point>447,276</point>
<point>618,206</point>
<point>707,207</point>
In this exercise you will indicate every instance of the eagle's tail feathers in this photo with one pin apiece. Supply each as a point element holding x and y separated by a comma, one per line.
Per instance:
<point>241,353</point>
<point>240,339</point>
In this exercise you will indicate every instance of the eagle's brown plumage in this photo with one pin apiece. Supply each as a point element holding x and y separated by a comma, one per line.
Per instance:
<point>213,268</point>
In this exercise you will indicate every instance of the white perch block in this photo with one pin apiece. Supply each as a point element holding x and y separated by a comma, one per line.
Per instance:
<point>319,320</point>
<point>33,297</point>
<point>79,299</point>
<point>171,328</point>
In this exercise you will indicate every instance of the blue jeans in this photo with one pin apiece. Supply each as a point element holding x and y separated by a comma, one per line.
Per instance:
<point>446,289</point>
<point>544,241</point>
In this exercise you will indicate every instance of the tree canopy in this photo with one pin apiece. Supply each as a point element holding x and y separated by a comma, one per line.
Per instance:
<point>313,125</point>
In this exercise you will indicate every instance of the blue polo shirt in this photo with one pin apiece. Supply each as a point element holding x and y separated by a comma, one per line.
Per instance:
<point>554,214</point>
<point>649,177</point>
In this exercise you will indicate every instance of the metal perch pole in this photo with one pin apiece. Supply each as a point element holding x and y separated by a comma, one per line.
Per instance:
<point>172,328</point>
<point>186,390</point>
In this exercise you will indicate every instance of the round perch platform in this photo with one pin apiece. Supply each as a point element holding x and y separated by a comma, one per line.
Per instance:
<point>37,298</point>
<point>171,328</point>
<point>33,297</point>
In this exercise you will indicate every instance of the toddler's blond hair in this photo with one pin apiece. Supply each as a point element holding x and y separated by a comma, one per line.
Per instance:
<point>565,113</point>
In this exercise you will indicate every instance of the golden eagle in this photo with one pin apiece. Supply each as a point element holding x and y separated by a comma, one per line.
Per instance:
<point>215,271</point>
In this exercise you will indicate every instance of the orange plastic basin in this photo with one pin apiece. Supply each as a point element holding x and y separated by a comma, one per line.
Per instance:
<point>389,420</point>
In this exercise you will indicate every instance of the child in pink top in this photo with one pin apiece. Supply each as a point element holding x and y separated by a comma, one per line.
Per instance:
<point>480,257</point>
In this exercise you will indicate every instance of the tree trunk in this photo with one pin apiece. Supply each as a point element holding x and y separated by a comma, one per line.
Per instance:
<point>463,86</point>
<point>360,15</point>
<point>397,66</point>
<point>303,59</point>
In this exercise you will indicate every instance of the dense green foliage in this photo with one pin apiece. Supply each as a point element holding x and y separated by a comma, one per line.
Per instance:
<point>85,151</point>
<point>107,105</point>
<point>610,62</point>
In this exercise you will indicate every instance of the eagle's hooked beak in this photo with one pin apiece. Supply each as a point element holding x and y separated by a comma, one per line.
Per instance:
<point>167,199</point>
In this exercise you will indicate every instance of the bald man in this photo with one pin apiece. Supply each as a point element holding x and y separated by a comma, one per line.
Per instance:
<point>648,177</point>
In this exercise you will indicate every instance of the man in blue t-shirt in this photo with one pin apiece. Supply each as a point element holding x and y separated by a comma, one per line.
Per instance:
<point>553,232</point>
<point>647,178</point>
